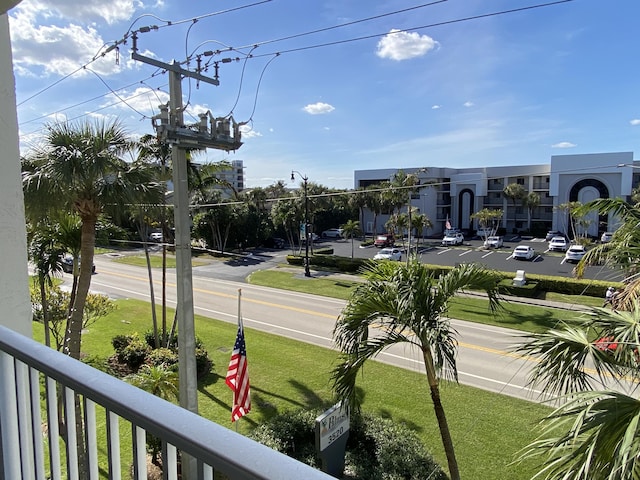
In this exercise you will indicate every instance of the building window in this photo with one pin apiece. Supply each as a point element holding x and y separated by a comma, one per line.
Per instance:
<point>520,181</point>
<point>519,210</point>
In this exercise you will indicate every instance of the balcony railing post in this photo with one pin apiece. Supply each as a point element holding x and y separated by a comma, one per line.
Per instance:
<point>9,428</point>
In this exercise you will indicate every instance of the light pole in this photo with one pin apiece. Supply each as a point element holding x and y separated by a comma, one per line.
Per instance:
<point>307,273</point>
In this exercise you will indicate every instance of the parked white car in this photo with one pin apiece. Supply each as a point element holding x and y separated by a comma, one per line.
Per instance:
<point>574,253</point>
<point>523,252</point>
<point>494,242</point>
<point>453,239</point>
<point>558,244</point>
<point>606,237</point>
<point>389,254</point>
<point>332,233</point>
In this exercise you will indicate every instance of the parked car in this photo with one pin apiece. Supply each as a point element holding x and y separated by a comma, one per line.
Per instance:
<point>553,233</point>
<point>558,244</point>
<point>384,241</point>
<point>155,236</point>
<point>67,264</point>
<point>484,232</point>
<point>389,253</point>
<point>523,252</point>
<point>314,238</point>
<point>494,242</point>
<point>606,237</point>
<point>332,233</point>
<point>453,239</point>
<point>274,242</point>
<point>574,253</point>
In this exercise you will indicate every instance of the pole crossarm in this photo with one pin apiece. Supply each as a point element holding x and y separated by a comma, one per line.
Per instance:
<point>174,67</point>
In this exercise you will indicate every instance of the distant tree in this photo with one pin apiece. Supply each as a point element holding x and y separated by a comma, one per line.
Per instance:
<point>488,219</point>
<point>351,229</point>
<point>514,192</point>
<point>531,201</point>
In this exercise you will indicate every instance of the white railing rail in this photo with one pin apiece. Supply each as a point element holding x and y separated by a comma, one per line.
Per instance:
<point>37,382</point>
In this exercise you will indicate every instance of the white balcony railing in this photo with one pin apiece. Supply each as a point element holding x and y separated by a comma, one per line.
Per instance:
<point>36,382</point>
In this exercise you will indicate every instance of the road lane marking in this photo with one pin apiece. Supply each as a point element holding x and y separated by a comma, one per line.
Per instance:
<point>229,296</point>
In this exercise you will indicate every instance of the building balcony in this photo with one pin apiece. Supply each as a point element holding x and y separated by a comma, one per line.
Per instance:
<point>38,383</point>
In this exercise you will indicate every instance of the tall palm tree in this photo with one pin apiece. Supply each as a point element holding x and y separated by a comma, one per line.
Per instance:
<point>79,170</point>
<point>407,303</point>
<point>514,192</point>
<point>45,252</point>
<point>594,433</point>
<point>351,229</point>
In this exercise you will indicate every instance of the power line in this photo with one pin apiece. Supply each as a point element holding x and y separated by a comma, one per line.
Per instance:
<point>275,54</point>
<point>422,27</point>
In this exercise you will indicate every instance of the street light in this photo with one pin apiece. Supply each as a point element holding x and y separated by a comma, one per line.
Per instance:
<point>307,273</point>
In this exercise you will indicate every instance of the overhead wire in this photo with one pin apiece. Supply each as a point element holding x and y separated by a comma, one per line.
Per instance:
<point>320,45</point>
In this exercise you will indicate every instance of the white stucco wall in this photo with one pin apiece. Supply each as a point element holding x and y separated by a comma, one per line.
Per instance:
<point>15,308</point>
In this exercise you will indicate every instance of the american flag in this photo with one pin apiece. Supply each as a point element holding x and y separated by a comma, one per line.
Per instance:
<point>238,378</point>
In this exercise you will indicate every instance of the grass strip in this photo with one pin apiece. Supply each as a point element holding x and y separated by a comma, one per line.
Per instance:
<point>487,428</point>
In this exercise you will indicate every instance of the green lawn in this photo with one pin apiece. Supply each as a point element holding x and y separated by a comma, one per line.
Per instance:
<point>524,317</point>
<point>488,429</point>
<point>156,260</point>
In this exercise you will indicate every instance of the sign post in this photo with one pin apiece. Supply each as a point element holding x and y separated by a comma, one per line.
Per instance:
<point>332,432</point>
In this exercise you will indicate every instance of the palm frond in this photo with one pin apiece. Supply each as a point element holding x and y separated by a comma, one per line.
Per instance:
<point>594,435</point>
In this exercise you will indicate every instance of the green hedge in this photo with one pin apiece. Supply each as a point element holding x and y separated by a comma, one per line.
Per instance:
<point>544,283</point>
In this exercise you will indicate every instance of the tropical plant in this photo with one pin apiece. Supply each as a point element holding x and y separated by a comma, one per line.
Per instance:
<point>488,219</point>
<point>594,432</point>
<point>531,201</point>
<point>514,192</point>
<point>407,303</point>
<point>45,252</point>
<point>622,252</point>
<point>161,381</point>
<point>351,229</point>
<point>79,169</point>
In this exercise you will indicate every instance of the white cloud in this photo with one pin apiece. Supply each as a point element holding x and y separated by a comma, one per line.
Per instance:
<point>318,108</point>
<point>563,145</point>
<point>635,121</point>
<point>436,107</point>
<point>468,104</point>
<point>399,45</point>
<point>79,10</point>
<point>143,99</point>
<point>55,38</point>
<point>248,132</point>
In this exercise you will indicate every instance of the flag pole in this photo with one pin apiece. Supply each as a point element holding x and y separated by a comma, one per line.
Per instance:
<point>240,326</point>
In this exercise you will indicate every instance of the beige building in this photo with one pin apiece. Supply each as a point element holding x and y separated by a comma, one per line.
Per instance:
<point>454,194</point>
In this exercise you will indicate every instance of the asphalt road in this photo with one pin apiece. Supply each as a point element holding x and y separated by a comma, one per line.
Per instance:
<point>484,359</point>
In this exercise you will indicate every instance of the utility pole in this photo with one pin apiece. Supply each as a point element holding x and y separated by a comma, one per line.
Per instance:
<point>220,133</point>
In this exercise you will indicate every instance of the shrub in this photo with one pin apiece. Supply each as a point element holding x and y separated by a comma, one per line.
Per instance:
<point>377,449</point>
<point>203,362</point>
<point>119,342</point>
<point>162,357</point>
<point>134,353</point>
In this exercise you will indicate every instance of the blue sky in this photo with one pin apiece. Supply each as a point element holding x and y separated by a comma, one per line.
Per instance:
<point>507,89</point>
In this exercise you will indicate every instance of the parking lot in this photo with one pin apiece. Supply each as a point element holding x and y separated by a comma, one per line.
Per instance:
<point>544,262</point>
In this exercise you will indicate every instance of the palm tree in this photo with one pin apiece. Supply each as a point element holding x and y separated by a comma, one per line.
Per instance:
<point>514,192</point>
<point>622,252</point>
<point>162,382</point>
<point>79,170</point>
<point>45,252</point>
<point>351,229</point>
<point>594,433</point>
<point>531,201</point>
<point>407,303</point>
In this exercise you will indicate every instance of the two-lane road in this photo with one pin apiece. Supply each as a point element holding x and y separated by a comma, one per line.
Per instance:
<point>484,359</point>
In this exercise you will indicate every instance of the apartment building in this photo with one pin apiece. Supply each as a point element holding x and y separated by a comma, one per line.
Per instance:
<point>454,194</point>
